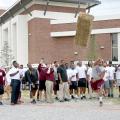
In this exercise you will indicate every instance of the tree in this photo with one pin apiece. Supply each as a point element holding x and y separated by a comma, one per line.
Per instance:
<point>6,54</point>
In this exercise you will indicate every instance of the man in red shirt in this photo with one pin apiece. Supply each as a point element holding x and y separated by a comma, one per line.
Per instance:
<point>2,78</point>
<point>42,79</point>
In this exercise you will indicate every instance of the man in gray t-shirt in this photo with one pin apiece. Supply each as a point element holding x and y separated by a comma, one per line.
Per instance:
<point>97,72</point>
<point>97,81</point>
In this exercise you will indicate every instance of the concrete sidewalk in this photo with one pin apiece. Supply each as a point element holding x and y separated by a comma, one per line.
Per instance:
<point>73,110</point>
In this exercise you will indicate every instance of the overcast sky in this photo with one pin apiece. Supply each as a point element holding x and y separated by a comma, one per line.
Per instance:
<point>6,3</point>
<point>107,7</point>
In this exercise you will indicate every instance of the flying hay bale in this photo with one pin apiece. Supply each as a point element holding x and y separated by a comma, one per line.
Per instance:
<point>83,32</point>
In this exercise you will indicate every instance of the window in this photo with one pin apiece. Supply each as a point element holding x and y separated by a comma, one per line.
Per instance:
<point>114,38</point>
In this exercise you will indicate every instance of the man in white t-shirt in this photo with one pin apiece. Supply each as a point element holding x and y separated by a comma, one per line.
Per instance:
<point>82,83</point>
<point>73,81</point>
<point>106,79</point>
<point>15,82</point>
<point>111,71</point>
<point>89,76</point>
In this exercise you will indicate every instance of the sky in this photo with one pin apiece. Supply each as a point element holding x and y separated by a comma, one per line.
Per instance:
<point>6,3</point>
<point>106,8</point>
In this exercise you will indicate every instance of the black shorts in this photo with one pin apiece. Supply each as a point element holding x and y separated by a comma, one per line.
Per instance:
<point>82,83</point>
<point>42,85</point>
<point>1,89</point>
<point>23,80</point>
<point>35,87</point>
<point>74,85</point>
<point>56,85</point>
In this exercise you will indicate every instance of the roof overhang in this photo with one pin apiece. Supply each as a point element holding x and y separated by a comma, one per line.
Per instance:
<point>20,4</point>
<point>88,3</point>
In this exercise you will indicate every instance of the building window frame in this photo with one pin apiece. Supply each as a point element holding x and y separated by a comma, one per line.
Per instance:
<point>114,43</point>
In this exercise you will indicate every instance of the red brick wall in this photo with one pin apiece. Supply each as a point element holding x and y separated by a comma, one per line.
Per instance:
<point>105,41</point>
<point>42,45</point>
<point>96,25</point>
<point>106,24</point>
<point>63,27</point>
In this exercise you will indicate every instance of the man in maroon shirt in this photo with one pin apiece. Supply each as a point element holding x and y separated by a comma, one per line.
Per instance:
<point>42,79</point>
<point>2,79</point>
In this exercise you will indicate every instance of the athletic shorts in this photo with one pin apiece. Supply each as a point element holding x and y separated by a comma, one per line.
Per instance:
<point>35,87</point>
<point>74,85</point>
<point>82,83</point>
<point>106,84</point>
<point>97,84</point>
<point>1,89</point>
<point>111,83</point>
<point>42,85</point>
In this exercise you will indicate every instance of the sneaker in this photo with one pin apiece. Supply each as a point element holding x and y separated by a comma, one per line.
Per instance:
<point>66,99</point>
<point>61,100</point>
<point>1,103</point>
<point>33,102</point>
<point>101,103</point>
<point>76,97</point>
<point>81,98</point>
<point>84,97</point>
<point>72,97</point>
<point>56,98</point>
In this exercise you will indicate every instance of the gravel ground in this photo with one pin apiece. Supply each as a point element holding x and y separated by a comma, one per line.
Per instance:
<point>74,110</point>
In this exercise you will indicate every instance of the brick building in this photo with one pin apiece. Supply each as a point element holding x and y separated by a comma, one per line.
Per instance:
<point>33,33</point>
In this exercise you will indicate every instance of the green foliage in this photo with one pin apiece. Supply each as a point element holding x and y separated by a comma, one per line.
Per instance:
<point>6,54</point>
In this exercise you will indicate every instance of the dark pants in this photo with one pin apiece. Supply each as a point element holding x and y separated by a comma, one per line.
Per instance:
<point>15,84</point>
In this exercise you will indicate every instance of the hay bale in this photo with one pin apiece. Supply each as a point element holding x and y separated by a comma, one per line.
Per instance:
<point>84,25</point>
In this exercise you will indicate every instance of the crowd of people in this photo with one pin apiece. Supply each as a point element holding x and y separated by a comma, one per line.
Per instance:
<point>60,80</point>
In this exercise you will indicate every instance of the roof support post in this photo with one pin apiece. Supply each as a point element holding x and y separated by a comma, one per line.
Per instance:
<point>46,7</point>
<point>77,9</point>
<point>25,8</point>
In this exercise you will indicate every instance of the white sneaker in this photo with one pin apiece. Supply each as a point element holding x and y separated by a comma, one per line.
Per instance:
<point>100,101</point>
<point>76,96</point>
